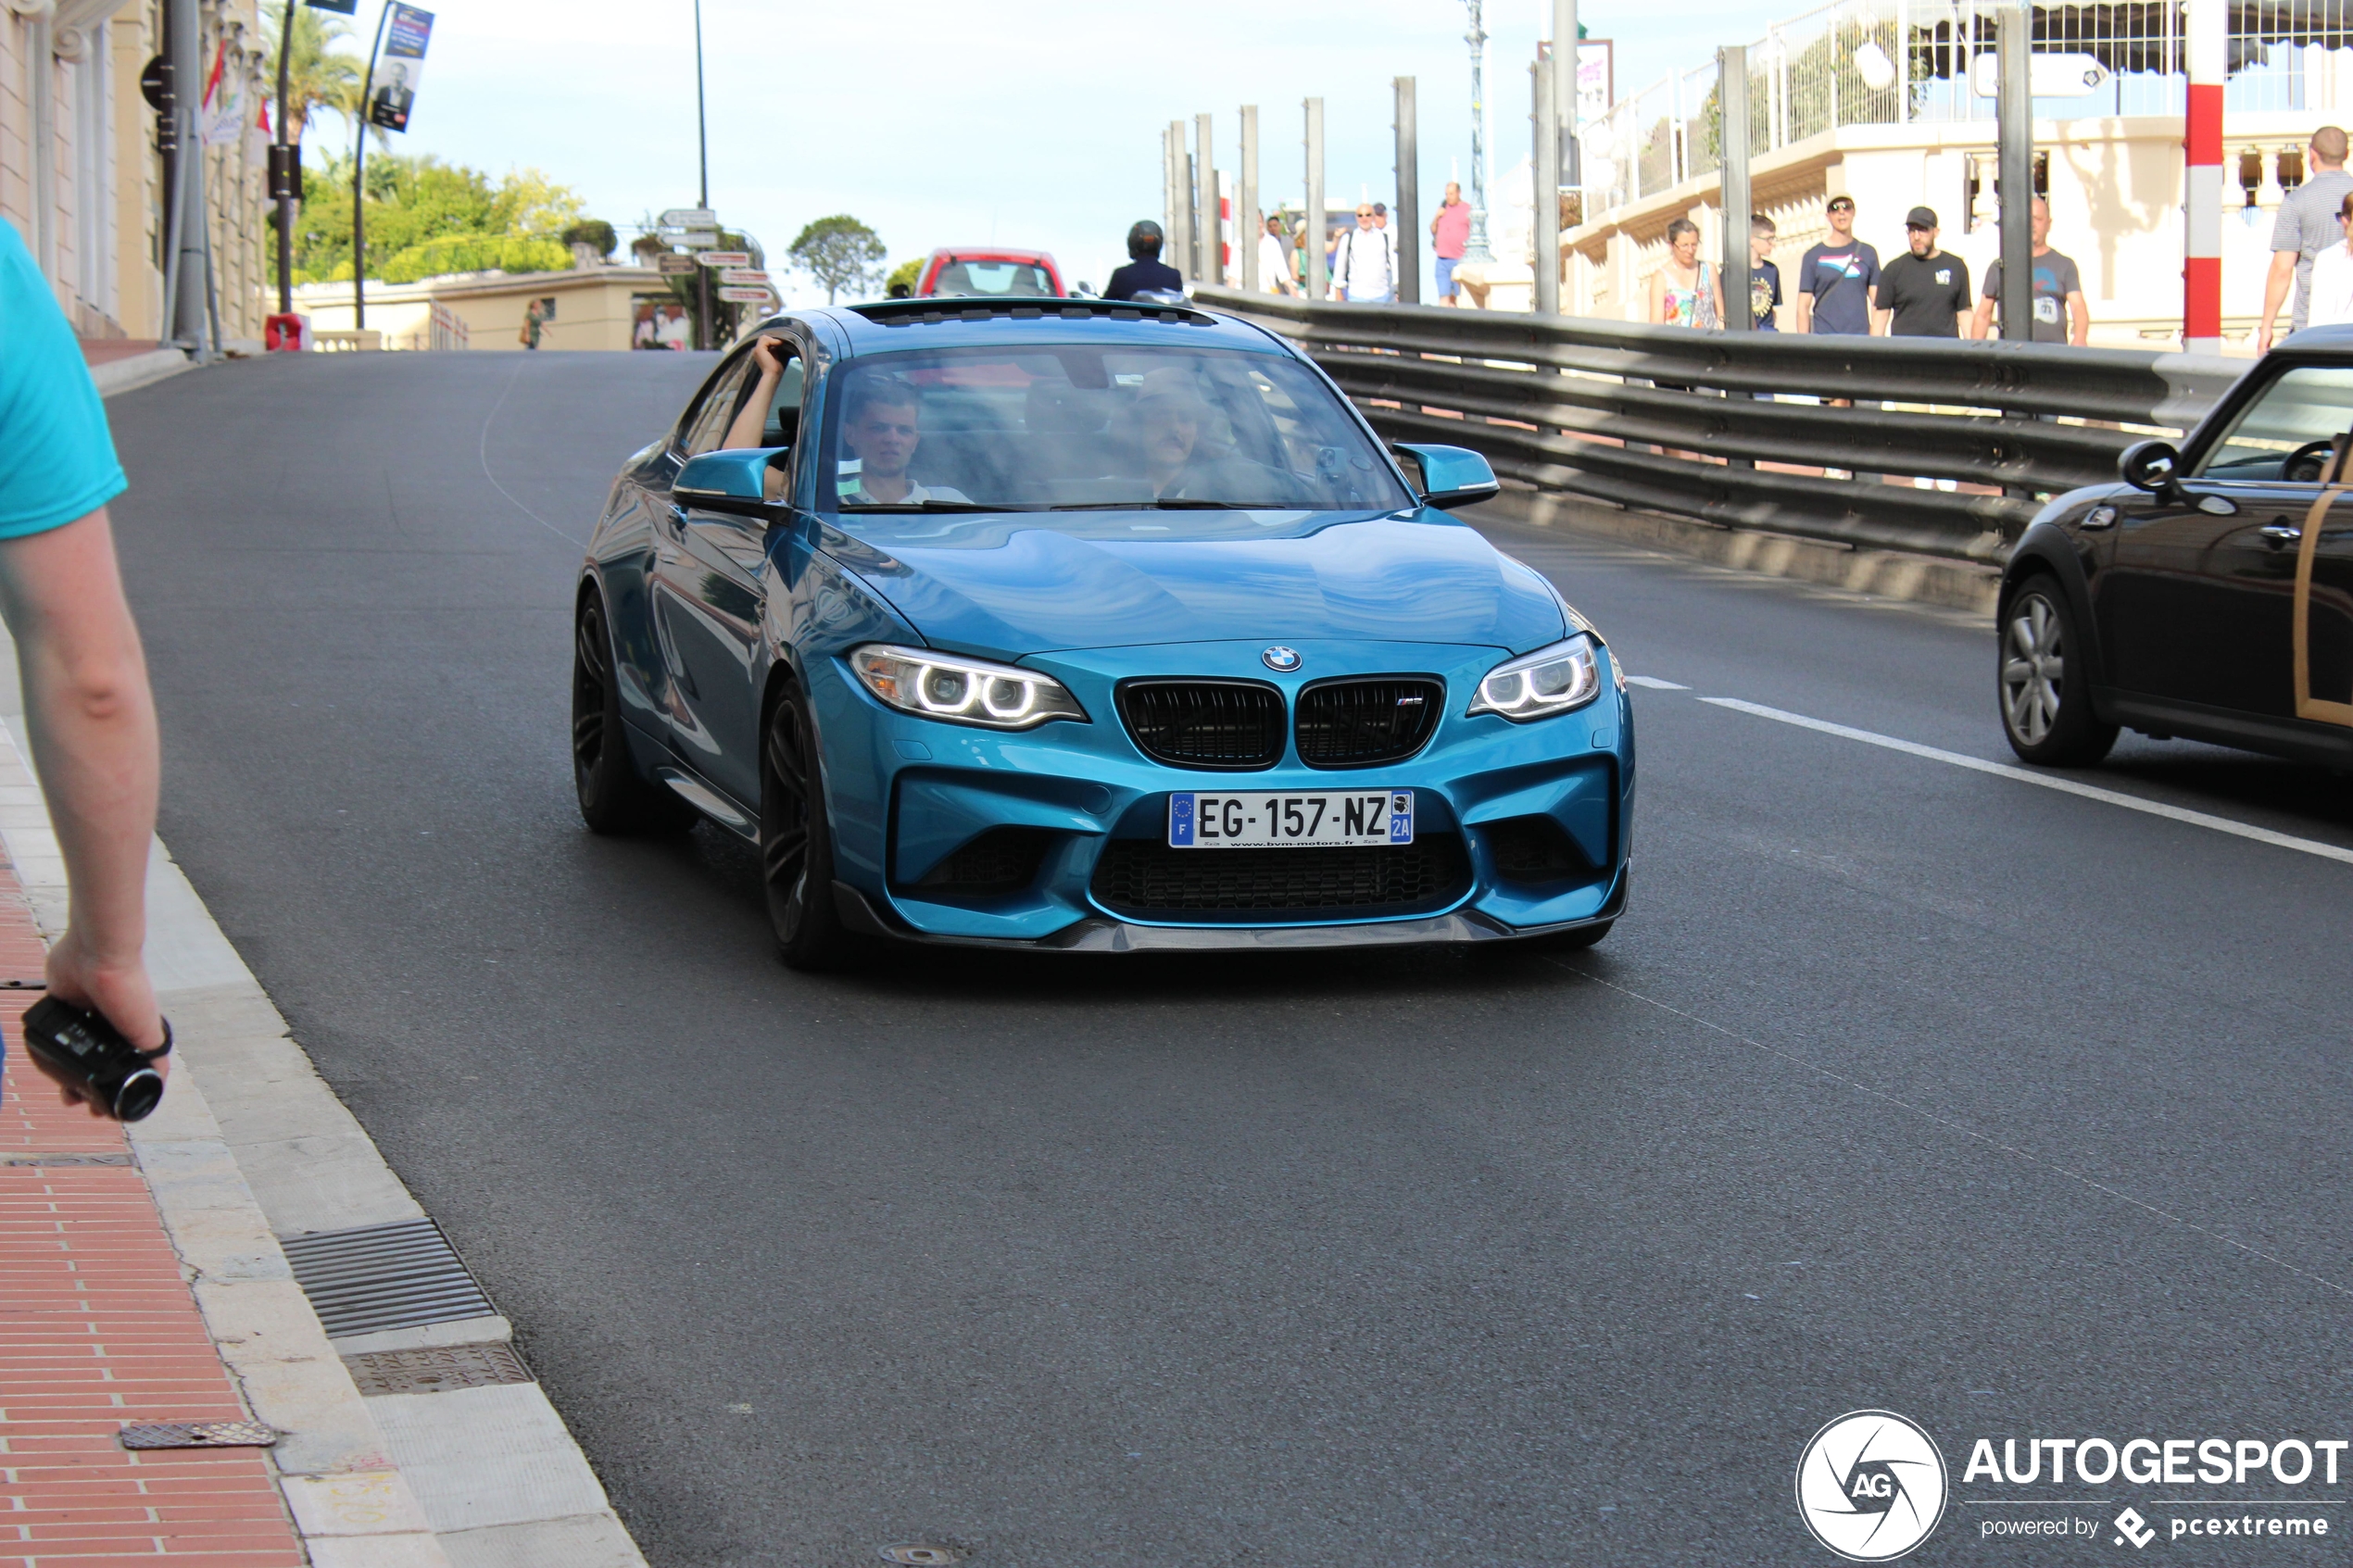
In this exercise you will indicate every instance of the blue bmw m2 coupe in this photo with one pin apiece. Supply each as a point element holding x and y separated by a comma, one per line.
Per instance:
<point>1085,626</point>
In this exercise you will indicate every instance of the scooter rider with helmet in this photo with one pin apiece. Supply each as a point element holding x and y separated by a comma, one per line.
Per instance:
<point>1145,271</point>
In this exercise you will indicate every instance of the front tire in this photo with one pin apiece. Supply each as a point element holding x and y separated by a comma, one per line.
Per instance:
<point>796,840</point>
<point>614,798</point>
<point>2046,714</point>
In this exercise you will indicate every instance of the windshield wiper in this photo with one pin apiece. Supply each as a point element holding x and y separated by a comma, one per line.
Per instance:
<point>931,507</point>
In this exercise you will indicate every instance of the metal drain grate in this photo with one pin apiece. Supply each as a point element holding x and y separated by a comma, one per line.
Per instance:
<point>376,1277</point>
<point>435,1371</point>
<point>64,1158</point>
<point>199,1435</point>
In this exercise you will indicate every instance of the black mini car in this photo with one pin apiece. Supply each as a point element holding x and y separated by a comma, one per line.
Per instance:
<point>2208,592</point>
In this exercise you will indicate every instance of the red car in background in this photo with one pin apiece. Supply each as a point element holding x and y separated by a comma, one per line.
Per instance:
<point>990,273</point>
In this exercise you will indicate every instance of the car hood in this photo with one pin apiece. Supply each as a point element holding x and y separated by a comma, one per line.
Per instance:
<point>1011,584</point>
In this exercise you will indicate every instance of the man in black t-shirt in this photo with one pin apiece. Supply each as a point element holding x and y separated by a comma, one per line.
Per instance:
<point>1924,293</point>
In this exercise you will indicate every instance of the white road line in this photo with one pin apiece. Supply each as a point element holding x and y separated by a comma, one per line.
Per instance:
<point>2045,781</point>
<point>1654,683</point>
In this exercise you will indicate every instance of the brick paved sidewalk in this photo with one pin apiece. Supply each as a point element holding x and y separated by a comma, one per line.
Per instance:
<point>98,1330</point>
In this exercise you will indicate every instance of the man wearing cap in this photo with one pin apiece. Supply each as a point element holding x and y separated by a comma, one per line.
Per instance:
<point>1836,279</point>
<point>1923,293</point>
<point>2305,226</point>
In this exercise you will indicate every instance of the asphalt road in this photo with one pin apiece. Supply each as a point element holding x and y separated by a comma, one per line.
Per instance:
<point>1902,1085</point>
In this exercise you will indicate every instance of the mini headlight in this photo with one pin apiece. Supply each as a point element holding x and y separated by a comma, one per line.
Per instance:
<point>961,691</point>
<point>1537,685</point>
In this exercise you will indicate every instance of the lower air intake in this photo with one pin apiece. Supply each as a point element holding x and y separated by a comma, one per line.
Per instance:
<point>1149,880</point>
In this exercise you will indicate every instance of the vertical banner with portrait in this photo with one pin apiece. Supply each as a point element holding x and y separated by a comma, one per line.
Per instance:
<point>403,66</point>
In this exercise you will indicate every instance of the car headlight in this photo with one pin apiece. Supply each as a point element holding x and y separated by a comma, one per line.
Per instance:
<point>961,691</point>
<point>1538,686</point>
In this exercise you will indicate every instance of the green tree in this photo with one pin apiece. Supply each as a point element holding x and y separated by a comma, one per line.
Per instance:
<point>319,75</point>
<point>841,253</point>
<point>594,233</point>
<point>426,218</point>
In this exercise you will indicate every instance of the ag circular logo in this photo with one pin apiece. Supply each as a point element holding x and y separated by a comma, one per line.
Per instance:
<point>1872,1486</point>
<point>1281,659</point>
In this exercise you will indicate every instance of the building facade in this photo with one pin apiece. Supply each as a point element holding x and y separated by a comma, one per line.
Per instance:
<point>80,176</point>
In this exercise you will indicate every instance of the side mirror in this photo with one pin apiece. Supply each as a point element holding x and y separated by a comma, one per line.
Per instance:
<point>735,480</point>
<point>2150,466</point>
<point>1447,476</point>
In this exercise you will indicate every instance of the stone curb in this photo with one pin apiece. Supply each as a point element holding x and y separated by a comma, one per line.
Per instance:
<point>1887,574</point>
<point>249,1145</point>
<point>139,369</point>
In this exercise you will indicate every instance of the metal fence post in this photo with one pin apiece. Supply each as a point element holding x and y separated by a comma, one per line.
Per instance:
<point>1566,57</point>
<point>1731,97</point>
<point>1318,277</point>
<point>1179,251</point>
<point>2014,132</point>
<point>1546,185</point>
<point>1248,224</point>
<point>1408,214</point>
<point>1211,259</point>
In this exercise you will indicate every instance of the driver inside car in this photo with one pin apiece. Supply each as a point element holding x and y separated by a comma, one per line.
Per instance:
<point>880,430</point>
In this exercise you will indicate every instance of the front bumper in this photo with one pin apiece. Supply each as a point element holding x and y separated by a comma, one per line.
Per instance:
<point>906,794</point>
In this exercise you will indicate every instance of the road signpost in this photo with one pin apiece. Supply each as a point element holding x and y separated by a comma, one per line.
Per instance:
<point>724,258</point>
<point>745,297</point>
<point>670,264</point>
<point>743,277</point>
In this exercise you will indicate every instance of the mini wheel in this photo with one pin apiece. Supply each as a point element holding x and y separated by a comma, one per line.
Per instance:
<point>2046,714</point>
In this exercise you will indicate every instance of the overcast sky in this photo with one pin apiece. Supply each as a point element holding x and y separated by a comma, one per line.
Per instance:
<point>941,124</point>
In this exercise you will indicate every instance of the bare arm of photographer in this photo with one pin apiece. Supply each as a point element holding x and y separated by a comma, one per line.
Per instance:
<point>752,417</point>
<point>92,720</point>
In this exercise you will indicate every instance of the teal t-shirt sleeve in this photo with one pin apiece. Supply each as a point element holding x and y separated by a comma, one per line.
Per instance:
<point>57,460</point>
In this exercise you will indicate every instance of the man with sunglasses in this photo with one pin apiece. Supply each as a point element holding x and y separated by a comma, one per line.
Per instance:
<point>1835,280</point>
<point>1365,266</point>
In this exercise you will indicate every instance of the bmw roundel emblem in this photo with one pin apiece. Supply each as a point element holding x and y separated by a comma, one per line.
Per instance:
<point>1281,659</point>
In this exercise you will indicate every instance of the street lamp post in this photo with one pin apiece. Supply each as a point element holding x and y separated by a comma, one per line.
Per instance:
<point>702,188</point>
<point>1475,248</point>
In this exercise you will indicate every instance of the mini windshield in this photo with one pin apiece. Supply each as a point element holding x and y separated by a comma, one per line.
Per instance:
<point>2310,403</point>
<point>1072,428</point>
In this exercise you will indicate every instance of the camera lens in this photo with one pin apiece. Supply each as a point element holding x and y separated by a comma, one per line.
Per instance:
<point>140,1094</point>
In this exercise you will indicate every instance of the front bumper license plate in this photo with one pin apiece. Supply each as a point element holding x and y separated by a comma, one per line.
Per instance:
<point>1323,820</point>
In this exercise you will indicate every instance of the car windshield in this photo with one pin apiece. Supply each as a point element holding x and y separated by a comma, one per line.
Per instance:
<point>993,278</point>
<point>1078,428</point>
<point>2310,403</point>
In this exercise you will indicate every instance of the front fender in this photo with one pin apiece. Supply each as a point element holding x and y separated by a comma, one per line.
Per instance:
<point>2054,544</point>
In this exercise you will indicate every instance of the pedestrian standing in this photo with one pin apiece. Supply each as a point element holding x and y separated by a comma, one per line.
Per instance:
<point>2305,226</point>
<point>2061,313</point>
<point>1836,277</point>
<point>91,717</point>
<point>1449,238</point>
<point>1365,265</point>
<point>1764,275</point>
<point>1684,290</point>
<point>2331,280</point>
<point>1273,259</point>
<point>533,320</point>
<point>1923,293</point>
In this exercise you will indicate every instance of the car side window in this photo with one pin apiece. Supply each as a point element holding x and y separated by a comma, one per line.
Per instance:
<point>781,427</point>
<point>2286,426</point>
<point>709,427</point>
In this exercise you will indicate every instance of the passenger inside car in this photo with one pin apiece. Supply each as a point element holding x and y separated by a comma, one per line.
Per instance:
<point>1172,418</point>
<point>880,430</point>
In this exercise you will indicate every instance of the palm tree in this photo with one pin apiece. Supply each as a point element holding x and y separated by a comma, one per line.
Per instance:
<point>317,78</point>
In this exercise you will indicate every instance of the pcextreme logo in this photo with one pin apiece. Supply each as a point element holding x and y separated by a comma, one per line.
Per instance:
<point>1872,1486</point>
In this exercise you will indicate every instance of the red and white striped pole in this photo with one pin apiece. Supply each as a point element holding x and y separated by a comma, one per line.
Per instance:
<point>2206,39</point>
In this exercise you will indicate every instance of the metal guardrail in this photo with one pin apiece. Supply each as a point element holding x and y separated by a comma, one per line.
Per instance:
<point>1735,427</point>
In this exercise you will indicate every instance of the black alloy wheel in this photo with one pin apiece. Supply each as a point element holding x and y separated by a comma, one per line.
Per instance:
<point>796,840</point>
<point>2048,718</point>
<point>614,798</point>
